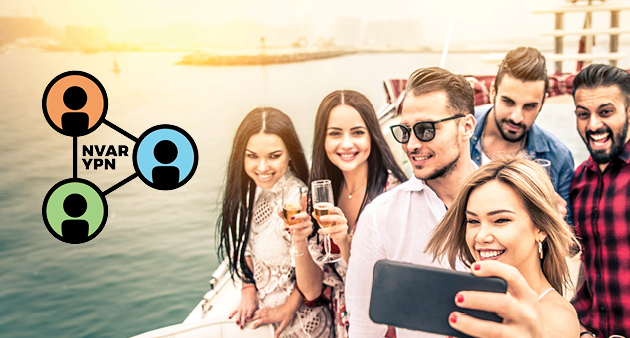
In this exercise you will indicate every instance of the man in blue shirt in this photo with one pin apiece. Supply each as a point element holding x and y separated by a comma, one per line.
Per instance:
<point>508,126</point>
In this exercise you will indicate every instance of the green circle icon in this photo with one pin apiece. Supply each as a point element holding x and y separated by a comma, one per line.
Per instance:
<point>75,211</point>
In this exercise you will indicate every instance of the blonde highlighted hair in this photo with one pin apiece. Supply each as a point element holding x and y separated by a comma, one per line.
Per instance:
<point>532,184</point>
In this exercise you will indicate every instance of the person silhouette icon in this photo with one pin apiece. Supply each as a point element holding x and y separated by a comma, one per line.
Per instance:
<point>75,123</point>
<point>165,177</point>
<point>75,230</point>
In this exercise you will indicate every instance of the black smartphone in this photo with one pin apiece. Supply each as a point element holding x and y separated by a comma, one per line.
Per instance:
<point>417,297</point>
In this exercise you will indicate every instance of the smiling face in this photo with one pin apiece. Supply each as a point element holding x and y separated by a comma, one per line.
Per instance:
<point>602,121</point>
<point>347,141</point>
<point>266,159</point>
<point>498,227</point>
<point>438,157</point>
<point>516,106</point>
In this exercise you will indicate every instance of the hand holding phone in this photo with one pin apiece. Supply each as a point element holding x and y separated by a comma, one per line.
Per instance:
<point>422,298</point>
<point>523,317</point>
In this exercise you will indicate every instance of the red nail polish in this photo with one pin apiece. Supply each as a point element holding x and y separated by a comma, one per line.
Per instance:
<point>292,217</point>
<point>453,318</point>
<point>477,266</point>
<point>460,298</point>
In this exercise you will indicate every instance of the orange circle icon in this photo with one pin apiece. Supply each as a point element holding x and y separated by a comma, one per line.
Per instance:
<point>75,103</point>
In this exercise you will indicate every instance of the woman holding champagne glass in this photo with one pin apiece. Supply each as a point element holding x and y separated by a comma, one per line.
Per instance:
<point>350,152</point>
<point>266,170</point>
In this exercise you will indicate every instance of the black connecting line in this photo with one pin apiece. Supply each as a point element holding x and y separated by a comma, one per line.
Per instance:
<point>120,130</point>
<point>74,157</point>
<point>132,176</point>
<point>121,183</point>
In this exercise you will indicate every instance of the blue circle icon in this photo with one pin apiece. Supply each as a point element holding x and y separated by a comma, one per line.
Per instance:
<point>165,157</point>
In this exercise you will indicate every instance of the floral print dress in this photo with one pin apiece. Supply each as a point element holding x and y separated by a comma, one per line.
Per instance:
<point>334,282</point>
<point>273,267</point>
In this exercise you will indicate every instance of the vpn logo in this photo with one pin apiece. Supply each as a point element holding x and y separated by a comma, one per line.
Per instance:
<point>165,157</point>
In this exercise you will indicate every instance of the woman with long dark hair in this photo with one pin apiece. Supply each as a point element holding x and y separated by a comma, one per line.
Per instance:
<point>266,157</point>
<point>349,150</point>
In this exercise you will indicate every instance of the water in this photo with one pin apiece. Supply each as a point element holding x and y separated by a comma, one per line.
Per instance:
<point>150,265</point>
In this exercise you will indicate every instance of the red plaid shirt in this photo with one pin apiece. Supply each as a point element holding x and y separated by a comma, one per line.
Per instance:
<point>601,213</point>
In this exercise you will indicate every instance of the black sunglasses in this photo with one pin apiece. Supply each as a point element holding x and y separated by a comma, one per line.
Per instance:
<point>424,130</point>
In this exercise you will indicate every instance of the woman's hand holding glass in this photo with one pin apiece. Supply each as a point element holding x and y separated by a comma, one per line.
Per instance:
<point>322,206</point>
<point>338,232</point>
<point>303,225</point>
<point>519,307</point>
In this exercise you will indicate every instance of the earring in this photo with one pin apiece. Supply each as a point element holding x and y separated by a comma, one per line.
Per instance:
<point>540,250</point>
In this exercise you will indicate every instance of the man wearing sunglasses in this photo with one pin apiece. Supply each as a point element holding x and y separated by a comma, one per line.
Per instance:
<point>436,125</point>
<point>508,126</point>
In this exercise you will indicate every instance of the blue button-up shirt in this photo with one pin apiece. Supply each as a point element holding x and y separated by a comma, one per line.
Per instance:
<point>540,144</point>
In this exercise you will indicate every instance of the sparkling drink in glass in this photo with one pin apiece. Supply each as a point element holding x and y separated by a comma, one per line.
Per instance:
<point>323,202</point>
<point>291,206</point>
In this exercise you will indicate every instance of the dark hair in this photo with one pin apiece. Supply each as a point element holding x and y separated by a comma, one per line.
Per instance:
<point>380,160</point>
<point>603,76</point>
<point>525,64</point>
<point>460,94</point>
<point>235,219</point>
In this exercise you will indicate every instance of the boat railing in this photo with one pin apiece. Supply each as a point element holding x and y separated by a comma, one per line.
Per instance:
<point>219,278</point>
<point>218,273</point>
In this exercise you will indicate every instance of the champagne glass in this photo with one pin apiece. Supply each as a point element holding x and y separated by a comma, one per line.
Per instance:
<point>322,203</point>
<point>291,206</point>
<point>546,164</point>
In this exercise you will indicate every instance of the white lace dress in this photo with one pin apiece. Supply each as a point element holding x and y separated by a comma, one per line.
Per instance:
<point>274,270</point>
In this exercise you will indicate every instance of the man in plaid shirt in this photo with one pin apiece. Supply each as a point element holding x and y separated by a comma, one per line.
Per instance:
<point>600,195</point>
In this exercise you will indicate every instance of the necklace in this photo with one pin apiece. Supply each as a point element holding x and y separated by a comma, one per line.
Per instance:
<point>355,190</point>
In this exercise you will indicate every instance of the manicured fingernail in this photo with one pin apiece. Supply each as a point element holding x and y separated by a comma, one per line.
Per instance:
<point>237,323</point>
<point>242,327</point>
<point>477,266</point>
<point>460,298</point>
<point>453,318</point>
<point>292,217</point>
<point>287,228</point>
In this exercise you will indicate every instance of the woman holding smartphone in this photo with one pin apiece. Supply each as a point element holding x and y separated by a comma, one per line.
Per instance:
<point>350,151</point>
<point>266,158</point>
<point>505,222</point>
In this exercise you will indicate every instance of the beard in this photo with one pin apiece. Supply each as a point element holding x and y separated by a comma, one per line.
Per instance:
<point>618,141</point>
<point>443,171</point>
<point>506,134</point>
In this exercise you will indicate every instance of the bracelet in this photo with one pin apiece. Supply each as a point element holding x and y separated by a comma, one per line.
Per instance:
<point>248,286</point>
<point>588,333</point>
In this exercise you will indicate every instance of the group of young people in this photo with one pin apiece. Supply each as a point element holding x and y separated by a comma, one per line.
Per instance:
<point>476,201</point>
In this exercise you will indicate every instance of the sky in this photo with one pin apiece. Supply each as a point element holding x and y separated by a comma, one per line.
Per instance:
<point>474,20</point>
